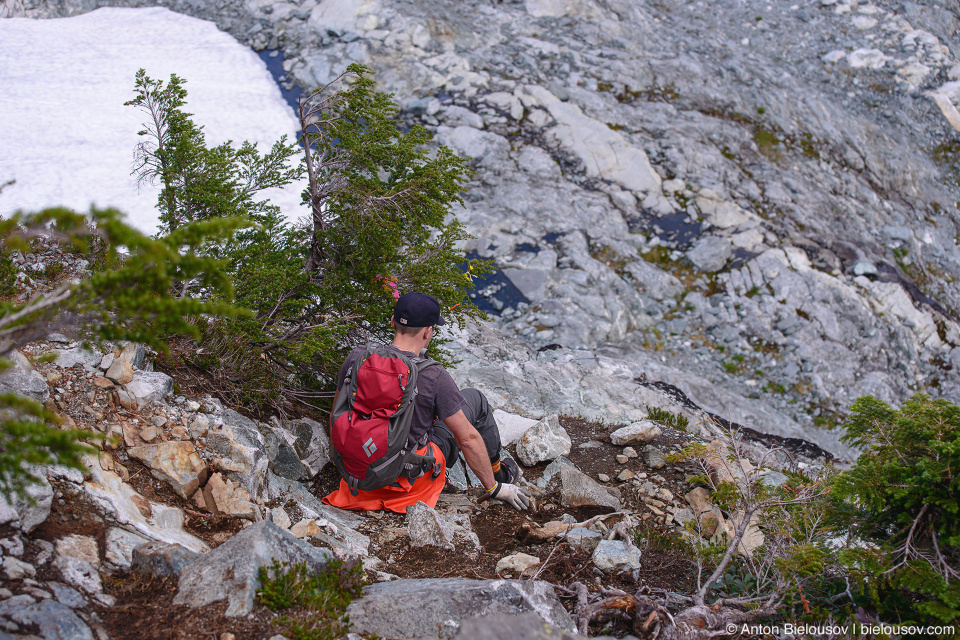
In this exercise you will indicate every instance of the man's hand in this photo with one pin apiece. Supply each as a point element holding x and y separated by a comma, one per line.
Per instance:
<point>511,494</point>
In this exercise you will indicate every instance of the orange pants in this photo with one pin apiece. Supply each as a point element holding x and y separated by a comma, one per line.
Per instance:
<point>397,499</point>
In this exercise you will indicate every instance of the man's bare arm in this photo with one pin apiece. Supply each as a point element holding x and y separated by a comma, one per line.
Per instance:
<point>473,448</point>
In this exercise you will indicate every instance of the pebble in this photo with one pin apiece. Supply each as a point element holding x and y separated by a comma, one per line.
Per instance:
<point>602,477</point>
<point>625,475</point>
<point>622,459</point>
<point>630,452</point>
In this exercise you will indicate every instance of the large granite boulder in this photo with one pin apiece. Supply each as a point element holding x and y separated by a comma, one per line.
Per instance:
<point>435,607</point>
<point>231,571</point>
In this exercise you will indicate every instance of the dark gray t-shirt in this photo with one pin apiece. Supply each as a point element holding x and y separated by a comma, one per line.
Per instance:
<point>437,394</point>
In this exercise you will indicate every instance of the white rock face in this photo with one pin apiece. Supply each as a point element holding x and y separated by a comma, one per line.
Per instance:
<point>511,426</point>
<point>93,58</point>
<point>604,152</point>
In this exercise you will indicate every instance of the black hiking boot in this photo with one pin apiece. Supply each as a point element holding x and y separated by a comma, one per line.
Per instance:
<point>509,472</point>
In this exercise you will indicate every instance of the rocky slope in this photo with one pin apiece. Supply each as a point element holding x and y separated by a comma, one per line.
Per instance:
<point>163,533</point>
<point>755,203</point>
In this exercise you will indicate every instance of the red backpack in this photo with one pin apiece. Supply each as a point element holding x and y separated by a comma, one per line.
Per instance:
<point>371,421</point>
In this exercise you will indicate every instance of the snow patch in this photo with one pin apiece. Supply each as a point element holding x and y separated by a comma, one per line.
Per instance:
<point>67,137</point>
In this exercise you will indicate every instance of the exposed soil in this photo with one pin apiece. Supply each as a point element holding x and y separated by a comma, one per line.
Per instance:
<point>503,531</point>
<point>145,609</point>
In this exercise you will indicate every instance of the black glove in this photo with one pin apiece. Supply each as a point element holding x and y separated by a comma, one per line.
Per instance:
<point>511,494</point>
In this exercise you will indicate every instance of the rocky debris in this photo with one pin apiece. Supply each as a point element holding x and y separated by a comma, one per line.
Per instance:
<point>16,569</point>
<point>223,497</point>
<point>641,432</point>
<point>161,559</point>
<point>428,528</point>
<point>579,490</point>
<point>518,565</point>
<point>48,617</point>
<point>86,359</point>
<point>230,572</point>
<point>120,371</point>
<point>176,463</point>
<point>551,470</point>
<point>615,556</point>
<point>120,503</point>
<point>752,536</point>
<point>543,441</point>
<point>434,608</point>
<point>22,378</point>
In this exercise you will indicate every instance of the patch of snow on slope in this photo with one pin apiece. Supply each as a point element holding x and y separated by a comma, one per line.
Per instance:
<point>67,139</point>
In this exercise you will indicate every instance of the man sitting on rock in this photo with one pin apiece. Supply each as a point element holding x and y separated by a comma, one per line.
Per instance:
<point>456,422</point>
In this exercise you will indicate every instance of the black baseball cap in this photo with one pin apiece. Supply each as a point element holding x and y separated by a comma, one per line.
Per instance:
<point>417,310</point>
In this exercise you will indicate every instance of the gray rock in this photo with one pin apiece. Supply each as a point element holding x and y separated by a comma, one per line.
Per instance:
<point>134,353</point>
<point>544,441</point>
<point>583,537</point>
<point>230,572</point>
<point>148,387</point>
<point>579,490</point>
<point>161,559</point>
<point>511,426</point>
<point>67,595</point>
<point>30,511</point>
<point>297,449</point>
<point>614,556</point>
<point>773,478</point>
<point>653,457</point>
<point>86,358</point>
<point>426,527</point>
<point>79,573</point>
<point>710,253</point>
<point>434,608</point>
<point>23,379</point>
<point>525,626</point>
<point>518,565</point>
<point>53,620</point>
<point>552,470</point>
<point>16,569</point>
<point>119,545</point>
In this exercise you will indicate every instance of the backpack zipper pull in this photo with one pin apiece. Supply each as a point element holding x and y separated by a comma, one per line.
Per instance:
<point>400,380</point>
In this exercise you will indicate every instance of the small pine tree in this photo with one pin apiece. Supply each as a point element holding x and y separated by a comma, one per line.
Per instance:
<point>904,492</point>
<point>380,224</point>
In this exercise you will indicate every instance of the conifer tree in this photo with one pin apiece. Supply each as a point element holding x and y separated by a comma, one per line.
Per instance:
<point>380,202</point>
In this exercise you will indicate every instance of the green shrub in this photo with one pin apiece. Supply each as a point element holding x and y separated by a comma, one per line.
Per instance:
<point>314,603</point>
<point>903,495</point>
<point>665,417</point>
